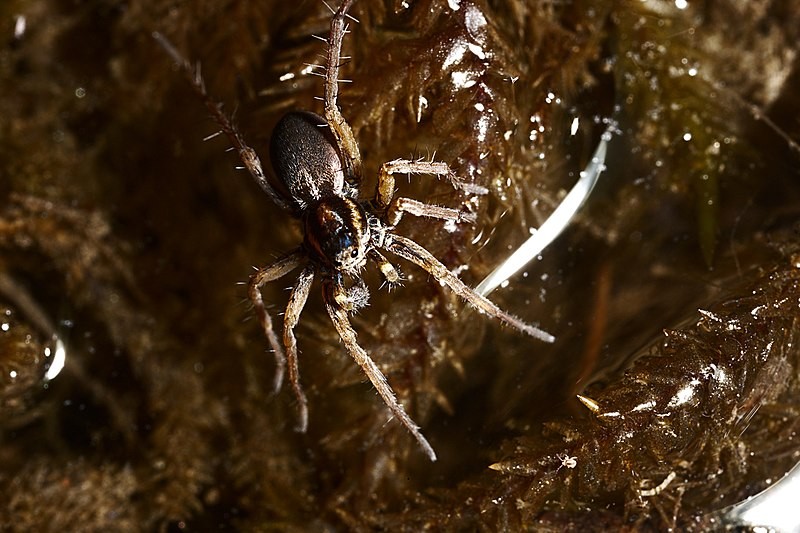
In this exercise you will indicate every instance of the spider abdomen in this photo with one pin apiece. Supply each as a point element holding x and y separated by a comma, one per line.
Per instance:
<point>305,159</point>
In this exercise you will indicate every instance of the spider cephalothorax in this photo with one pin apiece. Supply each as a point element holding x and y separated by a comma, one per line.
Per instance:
<point>318,168</point>
<point>337,233</point>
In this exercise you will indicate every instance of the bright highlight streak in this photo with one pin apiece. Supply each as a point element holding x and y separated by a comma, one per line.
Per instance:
<point>20,25</point>
<point>773,509</point>
<point>553,226</point>
<point>59,359</point>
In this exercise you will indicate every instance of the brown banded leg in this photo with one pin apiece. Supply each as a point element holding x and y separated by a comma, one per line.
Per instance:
<point>276,270</point>
<point>297,300</point>
<point>389,272</point>
<point>385,189</point>
<point>348,147</point>
<point>415,207</point>
<point>374,374</point>
<point>408,249</point>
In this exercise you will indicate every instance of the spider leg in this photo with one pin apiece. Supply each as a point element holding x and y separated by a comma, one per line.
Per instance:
<point>297,300</point>
<point>385,192</point>
<point>415,207</point>
<point>348,335</point>
<point>353,298</point>
<point>276,270</point>
<point>389,272</point>
<point>247,155</point>
<point>348,147</point>
<point>385,189</point>
<point>408,249</point>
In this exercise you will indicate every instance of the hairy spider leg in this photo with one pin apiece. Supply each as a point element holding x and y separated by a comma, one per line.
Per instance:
<point>384,192</point>
<point>271,272</point>
<point>415,207</point>
<point>348,147</point>
<point>411,251</point>
<point>246,154</point>
<point>297,300</point>
<point>348,335</point>
<point>388,270</point>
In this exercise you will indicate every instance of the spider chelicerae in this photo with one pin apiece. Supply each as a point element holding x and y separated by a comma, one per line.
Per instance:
<point>318,167</point>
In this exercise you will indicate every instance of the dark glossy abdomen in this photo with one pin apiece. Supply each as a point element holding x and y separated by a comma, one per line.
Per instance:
<point>305,158</point>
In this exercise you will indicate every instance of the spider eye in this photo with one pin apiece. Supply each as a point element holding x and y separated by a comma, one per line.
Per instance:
<point>354,253</point>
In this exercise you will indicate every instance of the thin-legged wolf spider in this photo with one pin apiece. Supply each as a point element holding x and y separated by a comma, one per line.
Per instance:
<point>318,165</point>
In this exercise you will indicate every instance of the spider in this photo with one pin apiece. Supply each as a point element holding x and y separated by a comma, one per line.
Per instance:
<point>318,168</point>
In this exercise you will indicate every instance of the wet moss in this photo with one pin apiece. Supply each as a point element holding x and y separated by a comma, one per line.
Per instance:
<point>129,234</point>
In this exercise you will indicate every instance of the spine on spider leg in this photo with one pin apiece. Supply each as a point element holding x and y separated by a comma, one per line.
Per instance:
<point>335,38</point>
<point>408,249</point>
<point>297,300</point>
<point>195,80</point>
<point>340,321</point>
<point>261,277</point>
<point>338,125</point>
<point>246,154</point>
